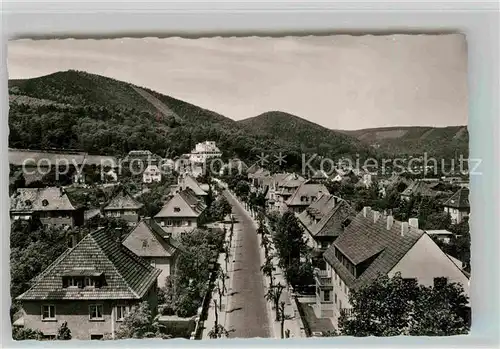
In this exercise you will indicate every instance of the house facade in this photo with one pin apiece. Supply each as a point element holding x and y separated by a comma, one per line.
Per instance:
<point>151,174</point>
<point>51,205</point>
<point>150,242</point>
<point>418,188</point>
<point>91,286</point>
<point>123,206</point>
<point>204,151</point>
<point>458,206</point>
<point>180,214</point>
<point>375,244</point>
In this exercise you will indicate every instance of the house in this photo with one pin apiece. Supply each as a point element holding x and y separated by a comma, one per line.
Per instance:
<point>91,287</point>
<point>376,244</point>
<point>284,188</point>
<point>151,174</point>
<point>324,220</point>
<point>257,177</point>
<point>418,188</point>
<point>441,234</point>
<point>305,195</point>
<point>319,176</point>
<point>110,175</point>
<point>185,181</point>
<point>458,205</point>
<point>51,205</point>
<point>150,242</point>
<point>123,206</point>
<point>204,151</point>
<point>181,213</point>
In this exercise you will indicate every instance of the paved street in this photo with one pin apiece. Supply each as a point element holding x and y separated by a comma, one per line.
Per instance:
<point>247,311</point>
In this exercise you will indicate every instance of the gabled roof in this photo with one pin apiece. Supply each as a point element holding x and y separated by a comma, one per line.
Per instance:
<point>41,199</point>
<point>459,200</point>
<point>127,276</point>
<point>306,189</point>
<point>187,181</point>
<point>123,201</point>
<point>320,174</point>
<point>147,240</point>
<point>364,239</point>
<point>325,217</point>
<point>182,204</point>
<point>259,173</point>
<point>419,188</point>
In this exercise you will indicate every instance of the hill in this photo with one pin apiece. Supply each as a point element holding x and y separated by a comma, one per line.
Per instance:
<point>100,115</point>
<point>443,142</point>
<point>312,137</point>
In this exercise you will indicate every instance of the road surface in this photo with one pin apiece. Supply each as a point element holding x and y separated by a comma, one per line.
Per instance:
<point>247,314</point>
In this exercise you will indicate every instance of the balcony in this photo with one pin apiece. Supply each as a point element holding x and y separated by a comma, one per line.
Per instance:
<point>323,279</point>
<point>348,312</point>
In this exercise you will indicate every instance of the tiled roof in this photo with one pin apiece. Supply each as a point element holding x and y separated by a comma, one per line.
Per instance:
<point>127,276</point>
<point>419,188</point>
<point>188,181</point>
<point>306,189</point>
<point>325,216</point>
<point>320,174</point>
<point>459,200</point>
<point>41,199</point>
<point>365,238</point>
<point>259,173</point>
<point>123,201</point>
<point>182,204</point>
<point>147,240</point>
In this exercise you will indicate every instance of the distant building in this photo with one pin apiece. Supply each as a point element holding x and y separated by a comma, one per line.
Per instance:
<point>305,195</point>
<point>181,213</point>
<point>205,151</point>
<point>92,287</point>
<point>458,205</point>
<point>184,181</point>
<point>123,206</point>
<point>51,205</point>
<point>374,244</point>
<point>111,175</point>
<point>149,241</point>
<point>418,188</point>
<point>257,176</point>
<point>151,174</point>
<point>441,234</point>
<point>284,186</point>
<point>319,176</point>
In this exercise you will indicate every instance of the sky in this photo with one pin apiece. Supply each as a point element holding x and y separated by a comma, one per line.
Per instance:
<point>339,81</point>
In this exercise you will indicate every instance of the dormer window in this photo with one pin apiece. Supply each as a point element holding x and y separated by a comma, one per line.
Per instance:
<point>177,209</point>
<point>27,202</point>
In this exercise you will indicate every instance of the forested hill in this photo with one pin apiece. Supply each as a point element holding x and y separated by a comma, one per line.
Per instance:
<point>445,142</point>
<point>100,115</point>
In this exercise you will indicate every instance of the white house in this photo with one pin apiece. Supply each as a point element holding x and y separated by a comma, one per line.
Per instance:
<point>151,174</point>
<point>375,244</point>
<point>204,151</point>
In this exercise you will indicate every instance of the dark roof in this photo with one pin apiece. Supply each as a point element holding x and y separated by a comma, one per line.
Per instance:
<point>459,200</point>
<point>186,201</point>
<point>123,201</point>
<point>363,239</point>
<point>147,240</point>
<point>127,276</point>
<point>325,217</point>
<point>419,188</point>
<point>41,199</point>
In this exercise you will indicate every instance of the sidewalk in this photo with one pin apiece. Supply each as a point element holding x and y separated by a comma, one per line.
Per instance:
<point>293,324</point>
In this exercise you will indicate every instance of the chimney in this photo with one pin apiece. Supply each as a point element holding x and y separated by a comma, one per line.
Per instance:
<point>413,223</point>
<point>404,228</point>
<point>390,222</point>
<point>376,216</point>
<point>366,209</point>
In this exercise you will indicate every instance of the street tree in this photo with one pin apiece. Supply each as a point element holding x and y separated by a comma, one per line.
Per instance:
<point>273,295</point>
<point>283,317</point>
<point>268,268</point>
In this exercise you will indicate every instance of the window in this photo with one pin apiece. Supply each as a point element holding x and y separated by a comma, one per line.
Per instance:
<point>326,296</point>
<point>48,312</point>
<point>440,281</point>
<point>335,298</point>
<point>162,223</point>
<point>72,282</point>
<point>177,209</point>
<point>188,223</point>
<point>96,337</point>
<point>49,337</point>
<point>144,243</point>
<point>90,282</point>
<point>95,312</point>
<point>121,311</point>
<point>45,202</point>
<point>340,304</point>
<point>169,223</point>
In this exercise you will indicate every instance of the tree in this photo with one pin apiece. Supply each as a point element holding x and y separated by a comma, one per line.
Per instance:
<point>64,333</point>
<point>282,318</point>
<point>268,268</point>
<point>21,333</point>
<point>273,295</point>
<point>397,306</point>
<point>140,323</point>
<point>242,189</point>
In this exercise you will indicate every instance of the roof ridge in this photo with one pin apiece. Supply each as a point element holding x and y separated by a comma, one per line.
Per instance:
<point>156,235</point>
<point>113,264</point>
